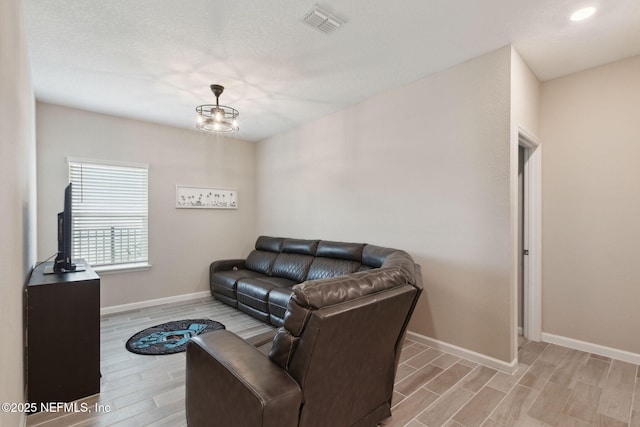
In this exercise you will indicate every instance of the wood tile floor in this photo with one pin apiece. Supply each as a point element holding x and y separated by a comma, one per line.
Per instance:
<point>553,386</point>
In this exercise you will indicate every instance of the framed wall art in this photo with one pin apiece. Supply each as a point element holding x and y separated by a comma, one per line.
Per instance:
<point>205,198</point>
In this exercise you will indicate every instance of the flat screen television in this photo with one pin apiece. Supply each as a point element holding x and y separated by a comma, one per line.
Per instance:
<point>64,261</point>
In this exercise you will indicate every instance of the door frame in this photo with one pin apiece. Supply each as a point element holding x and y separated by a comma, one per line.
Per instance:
<point>532,235</point>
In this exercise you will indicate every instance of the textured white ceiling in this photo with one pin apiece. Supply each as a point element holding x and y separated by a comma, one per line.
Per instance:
<point>154,60</point>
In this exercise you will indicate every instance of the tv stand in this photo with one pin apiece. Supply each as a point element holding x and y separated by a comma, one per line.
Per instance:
<point>49,270</point>
<point>62,325</point>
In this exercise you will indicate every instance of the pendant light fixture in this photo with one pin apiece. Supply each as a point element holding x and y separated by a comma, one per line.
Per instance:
<point>215,117</point>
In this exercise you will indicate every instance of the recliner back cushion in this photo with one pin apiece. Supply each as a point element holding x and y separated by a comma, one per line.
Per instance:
<point>340,250</point>
<point>323,268</point>
<point>260,261</point>
<point>403,262</point>
<point>271,244</point>
<point>374,256</point>
<point>300,246</point>
<point>313,295</point>
<point>262,258</point>
<point>292,266</point>
<point>346,358</point>
<point>322,293</point>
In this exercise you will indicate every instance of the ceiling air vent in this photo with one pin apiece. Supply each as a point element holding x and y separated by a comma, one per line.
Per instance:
<point>322,20</point>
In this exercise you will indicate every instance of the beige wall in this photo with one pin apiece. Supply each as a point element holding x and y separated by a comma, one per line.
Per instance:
<point>590,127</point>
<point>525,116</point>
<point>183,242</point>
<point>17,192</point>
<point>425,168</point>
<point>525,96</point>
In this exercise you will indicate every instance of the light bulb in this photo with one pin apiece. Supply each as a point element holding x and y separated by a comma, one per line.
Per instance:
<point>582,14</point>
<point>218,116</point>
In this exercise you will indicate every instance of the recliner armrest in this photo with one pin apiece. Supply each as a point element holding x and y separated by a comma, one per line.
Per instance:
<point>231,383</point>
<point>226,264</point>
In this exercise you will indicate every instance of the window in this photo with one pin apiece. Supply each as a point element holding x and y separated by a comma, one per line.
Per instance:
<point>110,214</point>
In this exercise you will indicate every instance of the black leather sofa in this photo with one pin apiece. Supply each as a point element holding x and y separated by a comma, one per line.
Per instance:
<point>260,285</point>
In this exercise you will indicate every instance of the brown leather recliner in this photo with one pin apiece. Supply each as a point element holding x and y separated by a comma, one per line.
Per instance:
<point>332,364</point>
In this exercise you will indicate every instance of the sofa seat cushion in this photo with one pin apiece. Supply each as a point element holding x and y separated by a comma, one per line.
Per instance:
<point>225,282</point>
<point>278,300</point>
<point>254,292</point>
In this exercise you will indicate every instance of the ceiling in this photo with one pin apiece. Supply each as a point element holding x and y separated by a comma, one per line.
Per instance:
<point>154,60</point>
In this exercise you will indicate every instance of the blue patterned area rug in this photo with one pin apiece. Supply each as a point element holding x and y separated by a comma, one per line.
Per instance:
<point>170,337</point>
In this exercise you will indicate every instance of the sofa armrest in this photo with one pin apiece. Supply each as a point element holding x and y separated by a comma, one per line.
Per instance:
<point>226,264</point>
<point>262,339</point>
<point>231,383</point>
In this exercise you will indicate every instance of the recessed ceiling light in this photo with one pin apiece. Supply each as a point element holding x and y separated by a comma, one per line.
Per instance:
<point>582,14</point>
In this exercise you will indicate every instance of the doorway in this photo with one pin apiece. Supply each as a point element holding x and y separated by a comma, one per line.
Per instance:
<point>528,265</point>
<point>522,245</point>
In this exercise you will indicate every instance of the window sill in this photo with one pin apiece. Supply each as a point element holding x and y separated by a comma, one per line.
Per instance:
<point>124,268</point>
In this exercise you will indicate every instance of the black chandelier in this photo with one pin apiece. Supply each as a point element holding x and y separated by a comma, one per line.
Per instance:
<point>215,117</point>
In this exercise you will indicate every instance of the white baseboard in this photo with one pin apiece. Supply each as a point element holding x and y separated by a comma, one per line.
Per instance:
<point>150,303</point>
<point>588,347</point>
<point>508,367</point>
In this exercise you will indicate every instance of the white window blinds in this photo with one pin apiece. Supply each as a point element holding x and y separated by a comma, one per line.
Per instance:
<point>110,213</point>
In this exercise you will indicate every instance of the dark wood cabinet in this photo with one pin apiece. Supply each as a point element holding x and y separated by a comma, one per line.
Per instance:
<point>62,335</point>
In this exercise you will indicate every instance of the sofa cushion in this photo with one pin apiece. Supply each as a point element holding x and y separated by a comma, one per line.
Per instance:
<point>374,256</point>
<point>283,348</point>
<point>268,248</point>
<point>340,250</point>
<point>224,282</point>
<point>322,268</point>
<point>292,266</point>
<point>321,293</point>
<point>233,302</point>
<point>260,261</point>
<point>278,300</point>
<point>402,261</point>
<point>300,246</point>
<point>270,244</point>
<point>258,314</point>
<point>275,321</point>
<point>254,292</point>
